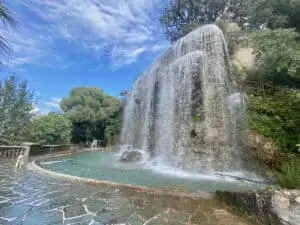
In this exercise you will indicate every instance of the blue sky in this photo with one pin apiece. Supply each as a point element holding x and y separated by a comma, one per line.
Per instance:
<point>60,44</point>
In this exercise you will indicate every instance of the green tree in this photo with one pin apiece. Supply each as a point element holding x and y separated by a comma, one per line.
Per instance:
<point>90,110</point>
<point>274,13</point>
<point>16,104</point>
<point>113,127</point>
<point>89,103</point>
<point>50,129</point>
<point>182,16</point>
<point>6,18</point>
<point>277,56</point>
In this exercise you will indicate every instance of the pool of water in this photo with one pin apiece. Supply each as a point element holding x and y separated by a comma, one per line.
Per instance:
<point>28,197</point>
<point>106,166</point>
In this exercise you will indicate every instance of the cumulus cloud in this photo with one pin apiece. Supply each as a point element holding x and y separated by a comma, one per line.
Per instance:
<point>123,30</point>
<point>54,102</point>
<point>36,110</point>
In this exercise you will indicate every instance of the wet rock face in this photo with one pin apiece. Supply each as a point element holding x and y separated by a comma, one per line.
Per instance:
<point>279,207</point>
<point>131,156</point>
<point>184,103</point>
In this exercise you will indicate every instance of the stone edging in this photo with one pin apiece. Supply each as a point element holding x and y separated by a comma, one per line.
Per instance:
<point>137,188</point>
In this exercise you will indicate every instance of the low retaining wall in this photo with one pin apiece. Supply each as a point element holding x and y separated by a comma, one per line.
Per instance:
<point>13,151</point>
<point>36,150</point>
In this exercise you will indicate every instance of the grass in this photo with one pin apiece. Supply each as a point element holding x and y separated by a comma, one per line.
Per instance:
<point>290,175</point>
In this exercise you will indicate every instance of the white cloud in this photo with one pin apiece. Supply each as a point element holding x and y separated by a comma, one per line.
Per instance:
<point>54,102</point>
<point>36,110</point>
<point>124,56</point>
<point>121,29</point>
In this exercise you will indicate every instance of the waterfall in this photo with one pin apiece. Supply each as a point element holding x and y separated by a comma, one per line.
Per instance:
<point>185,110</point>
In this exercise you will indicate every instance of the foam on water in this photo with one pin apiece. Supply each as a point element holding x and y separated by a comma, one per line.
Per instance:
<point>162,168</point>
<point>51,162</point>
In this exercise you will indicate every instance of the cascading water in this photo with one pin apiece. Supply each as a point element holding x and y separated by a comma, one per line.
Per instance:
<point>185,111</point>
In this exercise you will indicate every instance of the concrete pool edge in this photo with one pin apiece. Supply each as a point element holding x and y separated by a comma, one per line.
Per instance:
<point>161,191</point>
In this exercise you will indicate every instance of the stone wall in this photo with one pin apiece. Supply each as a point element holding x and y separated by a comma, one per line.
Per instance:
<point>36,150</point>
<point>13,151</point>
<point>274,207</point>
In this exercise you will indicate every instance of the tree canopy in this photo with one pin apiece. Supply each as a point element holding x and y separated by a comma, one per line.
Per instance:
<point>277,56</point>
<point>89,104</point>
<point>50,129</point>
<point>274,13</point>
<point>182,16</point>
<point>95,115</point>
<point>16,104</point>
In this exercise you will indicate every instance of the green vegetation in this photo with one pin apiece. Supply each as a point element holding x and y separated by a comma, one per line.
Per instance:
<point>50,129</point>
<point>274,109</point>
<point>290,175</point>
<point>182,16</point>
<point>277,55</point>
<point>16,104</point>
<point>273,13</point>
<point>277,116</point>
<point>94,114</point>
<point>5,18</point>
<point>113,127</point>
<point>89,114</point>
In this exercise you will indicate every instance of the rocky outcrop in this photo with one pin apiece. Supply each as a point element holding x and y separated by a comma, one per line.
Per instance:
<point>264,150</point>
<point>243,60</point>
<point>131,156</point>
<point>278,207</point>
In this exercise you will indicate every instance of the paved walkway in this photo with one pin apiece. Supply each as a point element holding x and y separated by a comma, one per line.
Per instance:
<point>30,198</point>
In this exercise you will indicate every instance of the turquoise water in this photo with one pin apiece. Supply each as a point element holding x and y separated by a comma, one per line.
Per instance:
<point>28,198</point>
<point>105,166</point>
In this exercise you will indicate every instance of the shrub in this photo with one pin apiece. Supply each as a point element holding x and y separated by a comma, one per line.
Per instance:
<point>290,175</point>
<point>277,116</point>
<point>50,129</point>
<point>277,55</point>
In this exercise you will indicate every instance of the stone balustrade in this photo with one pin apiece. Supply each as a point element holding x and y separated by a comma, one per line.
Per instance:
<point>13,151</point>
<point>35,150</point>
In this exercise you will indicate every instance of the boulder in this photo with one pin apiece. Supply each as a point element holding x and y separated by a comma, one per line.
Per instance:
<point>131,156</point>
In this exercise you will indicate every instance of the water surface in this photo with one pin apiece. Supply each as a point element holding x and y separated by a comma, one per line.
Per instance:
<point>106,166</point>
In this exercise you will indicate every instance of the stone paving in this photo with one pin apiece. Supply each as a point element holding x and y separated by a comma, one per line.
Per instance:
<point>31,198</point>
